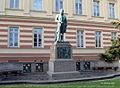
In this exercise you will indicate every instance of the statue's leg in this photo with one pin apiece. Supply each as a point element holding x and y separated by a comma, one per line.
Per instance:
<point>57,35</point>
<point>61,36</point>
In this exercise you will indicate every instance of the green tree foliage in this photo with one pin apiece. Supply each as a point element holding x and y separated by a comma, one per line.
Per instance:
<point>113,53</point>
<point>116,24</point>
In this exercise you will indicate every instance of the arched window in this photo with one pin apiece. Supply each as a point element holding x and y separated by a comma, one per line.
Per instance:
<point>59,5</point>
<point>14,4</point>
<point>37,5</point>
<point>96,8</point>
<point>111,10</point>
<point>78,7</point>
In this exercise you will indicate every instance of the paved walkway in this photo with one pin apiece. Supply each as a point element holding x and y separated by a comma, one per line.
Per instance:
<point>44,78</point>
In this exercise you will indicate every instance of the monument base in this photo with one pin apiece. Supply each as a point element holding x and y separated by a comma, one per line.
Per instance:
<point>62,69</point>
<point>61,64</point>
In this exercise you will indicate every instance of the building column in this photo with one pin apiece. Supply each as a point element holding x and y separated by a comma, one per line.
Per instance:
<point>69,5</point>
<point>89,8</point>
<point>117,9</point>
<point>65,4</point>
<point>105,11</point>
<point>2,7</point>
<point>27,7</point>
<point>84,7</point>
<point>49,5</point>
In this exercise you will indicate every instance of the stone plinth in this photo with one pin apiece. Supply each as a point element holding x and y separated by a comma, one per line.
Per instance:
<point>61,64</point>
<point>61,50</point>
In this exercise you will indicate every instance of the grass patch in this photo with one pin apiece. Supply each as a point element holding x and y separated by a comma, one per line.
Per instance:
<point>112,83</point>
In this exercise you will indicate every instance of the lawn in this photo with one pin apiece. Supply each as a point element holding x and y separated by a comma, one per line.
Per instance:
<point>113,83</point>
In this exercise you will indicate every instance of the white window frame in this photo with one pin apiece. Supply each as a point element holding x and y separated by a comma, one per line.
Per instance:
<point>78,11</point>
<point>39,5</point>
<point>39,30</point>
<point>96,8</point>
<point>80,41</point>
<point>99,37</point>
<point>112,10</point>
<point>113,35</point>
<point>13,37</point>
<point>58,5</point>
<point>14,4</point>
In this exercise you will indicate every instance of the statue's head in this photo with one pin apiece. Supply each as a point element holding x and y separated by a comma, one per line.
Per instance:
<point>61,11</point>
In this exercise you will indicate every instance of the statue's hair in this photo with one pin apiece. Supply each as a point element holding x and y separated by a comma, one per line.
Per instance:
<point>61,10</point>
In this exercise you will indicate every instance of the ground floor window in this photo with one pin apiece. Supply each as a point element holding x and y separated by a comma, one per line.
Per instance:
<point>27,67</point>
<point>39,67</point>
<point>86,65</point>
<point>78,66</point>
<point>83,66</point>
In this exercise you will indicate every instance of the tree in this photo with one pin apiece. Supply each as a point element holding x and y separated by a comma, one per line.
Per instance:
<point>112,53</point>
<point>116,24</point>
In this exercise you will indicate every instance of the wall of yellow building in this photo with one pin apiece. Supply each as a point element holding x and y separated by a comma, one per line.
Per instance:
<point>48,9</point>
<point>48,12</point>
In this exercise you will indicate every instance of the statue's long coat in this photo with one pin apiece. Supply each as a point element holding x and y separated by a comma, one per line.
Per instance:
<point>64,23</point>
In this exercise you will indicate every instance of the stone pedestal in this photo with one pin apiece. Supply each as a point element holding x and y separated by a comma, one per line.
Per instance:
<point>61,64</point>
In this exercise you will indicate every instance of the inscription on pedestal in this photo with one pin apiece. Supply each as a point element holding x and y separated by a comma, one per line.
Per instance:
<point>61,50</point>
<point>64,52</point>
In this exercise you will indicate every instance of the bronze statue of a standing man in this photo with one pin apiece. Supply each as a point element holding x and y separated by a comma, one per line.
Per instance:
<point>61,26</point>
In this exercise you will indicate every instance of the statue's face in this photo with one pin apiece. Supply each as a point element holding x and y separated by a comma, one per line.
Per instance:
<point>62,12</point>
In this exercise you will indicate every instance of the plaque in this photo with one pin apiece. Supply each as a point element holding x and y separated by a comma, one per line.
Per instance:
<point>63,52</point>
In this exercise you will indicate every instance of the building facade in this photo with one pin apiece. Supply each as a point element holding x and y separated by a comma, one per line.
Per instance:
<point>27,30</point>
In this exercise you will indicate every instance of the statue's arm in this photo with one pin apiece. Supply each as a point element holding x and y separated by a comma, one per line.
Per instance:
<point>56,19</point>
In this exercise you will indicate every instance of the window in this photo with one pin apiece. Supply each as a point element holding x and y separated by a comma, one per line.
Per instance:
<point>59,5</point>
<point>13,37</point>
<point>111,10</point>
<point>113,35</point>
<point>86,65</point>
<point>27,67</point>
<point>37,5</point>
<point>98,39</point>
<point>78,66</point>
<point>38,37</point>
<point>78,7</point>
<point>80,39</point>
<point>96,8</point>
<point>14,4</point>
<point>39,67</point>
